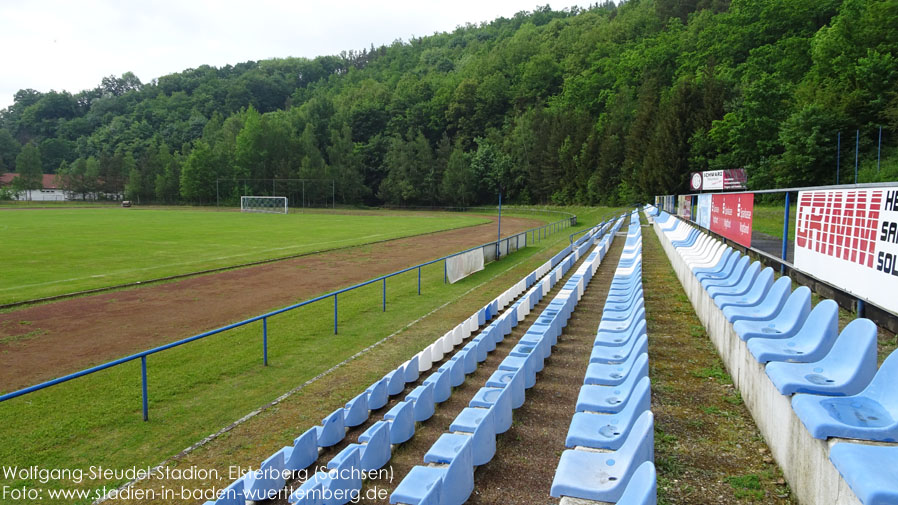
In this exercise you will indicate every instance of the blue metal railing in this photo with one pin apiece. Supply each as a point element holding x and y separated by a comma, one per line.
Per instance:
<point>537,233</point>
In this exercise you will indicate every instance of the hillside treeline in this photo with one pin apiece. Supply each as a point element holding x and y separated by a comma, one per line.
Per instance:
<point>609,104</point>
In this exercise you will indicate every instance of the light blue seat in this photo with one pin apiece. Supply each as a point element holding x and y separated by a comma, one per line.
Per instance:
<point>812,342</point>
<point>846,370</point>
<point>411,370</point>
<point>606,354</point>
<point>231,495</point>
<point>332,429</point>
<point>643,487</point>
<point>477,348</point>
<point>481,317</point>
<point>378,394</point>
<point>796,314</point>
<point>624,325</point>
<point>303,452</point>
<point>755,294</point>
<point>486,342</point>
<point>613,302</point>
<point>541,343</point>
<point>871,471</point>
<point>620,338</point>
<point>717,267</point>
<point>455,368</point>
<point>620,312</point>
<point>719,271</point>
<point>767,308</point>
<point>395,381</point>
<point>530,351</point>
<point>402,422</point>
<point>442,387</point>
<point>869,415</point>
<point>267,481</point>
<point>468,356</point>
<point>310,493</point>
<point>603,476</point>
<point>500,399</point>
<point>375,450</point>
<point>611,399</point>
<point>608,431</point>
<point>728,277</point>
<point>515,363</point>
<point>613,374</point>
<point>514,380</point>
<point>479,422</point>
<point>422,397</point>
<point>739,288</point>
<point>356,411</point>
<point>344,480</point>
<point>453,480</point>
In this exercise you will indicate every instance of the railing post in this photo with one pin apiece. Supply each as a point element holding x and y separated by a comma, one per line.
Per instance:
<point>335,314</point>
<point>419,280</point>
<point>785,234</point>
<point>265,341</point>
<point>445,271</point>
<point>143,378</point>
<point>861,308</point>
<point>385,295</point>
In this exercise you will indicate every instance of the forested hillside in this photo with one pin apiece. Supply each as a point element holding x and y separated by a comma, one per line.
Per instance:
<point>606,105</point>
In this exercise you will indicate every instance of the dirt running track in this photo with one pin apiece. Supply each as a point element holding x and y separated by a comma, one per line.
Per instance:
<point>46,341</point>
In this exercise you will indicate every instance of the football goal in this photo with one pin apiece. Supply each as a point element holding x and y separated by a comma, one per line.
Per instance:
<point>269,204</point>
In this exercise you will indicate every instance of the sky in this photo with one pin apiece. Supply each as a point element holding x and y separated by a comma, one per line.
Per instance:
<point>71,45</point>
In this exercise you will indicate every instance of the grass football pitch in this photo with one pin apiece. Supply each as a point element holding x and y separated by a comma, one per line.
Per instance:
<point>50,252</point>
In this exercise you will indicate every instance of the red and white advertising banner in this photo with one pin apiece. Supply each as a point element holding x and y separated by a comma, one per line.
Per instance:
<point>731,216</point>
<point>849,238</point>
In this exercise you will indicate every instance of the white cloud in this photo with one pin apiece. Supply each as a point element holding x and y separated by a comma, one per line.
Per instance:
<point>61,44</point>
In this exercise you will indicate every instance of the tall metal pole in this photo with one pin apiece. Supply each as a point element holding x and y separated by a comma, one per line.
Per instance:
<point>857,142</point>
<point>333,196</point>
<point>838,154</point>
<point>216,190</point>
<point>499,239</point>
<point>879,149</point>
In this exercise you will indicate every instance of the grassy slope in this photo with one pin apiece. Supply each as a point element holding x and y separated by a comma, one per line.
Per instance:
<point>200,387</point>
<point>49,252</point>
<point>768,219</point>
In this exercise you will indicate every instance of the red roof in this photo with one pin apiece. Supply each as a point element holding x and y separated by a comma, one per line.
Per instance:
<point>49,180</point>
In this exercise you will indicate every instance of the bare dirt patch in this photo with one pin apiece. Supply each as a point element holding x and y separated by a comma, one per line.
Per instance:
<point>70,335</point>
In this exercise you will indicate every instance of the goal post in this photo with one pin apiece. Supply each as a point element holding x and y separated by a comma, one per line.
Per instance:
<point>267,204</point>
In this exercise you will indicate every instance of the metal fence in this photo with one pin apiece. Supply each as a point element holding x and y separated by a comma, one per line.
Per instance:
<point>505,244</point>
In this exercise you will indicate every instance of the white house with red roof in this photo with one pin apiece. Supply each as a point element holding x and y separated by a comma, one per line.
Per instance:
<point>49,192</point>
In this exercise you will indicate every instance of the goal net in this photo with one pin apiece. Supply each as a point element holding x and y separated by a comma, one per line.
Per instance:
<point>269,204</point>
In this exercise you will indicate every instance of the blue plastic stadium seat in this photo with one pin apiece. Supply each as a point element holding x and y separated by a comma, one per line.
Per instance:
<point>611,399</point>
<point>531,351</point>
<point>479,422</point>
<point>870,415</point>
<point>344,482</point>
<point>231,495</point>
<point>402,422</point>
<point>846,370</point>
<point>515,363</point>
<point>613,302</point>
<point>540,342</point>
<point>812,342</point>
<point>514,380</point>
<point>606,354</point>
<point>728,277</point>
<point>613,374</point>
<point>453,480</point>
<point>468,356</point>
<point>265,482</point>
<point>411,370</point>
<point>871,471</point>
<point>608,431</point>
<point>643,487</point>
<point>422,397</point>
<point>455,368</point>
<point>755,294</point>
<point>603,476</point>
<point>332,429</point>
<point>791,320</point>
<point>623,325</point>
<point>718,267</point>
<point>356,411</point>
<point>395,382</point>
<point>310,493</point>
<point>740,287</point>
<point>621,312</point>
<point>768,307</point>
<point>378,394</point>
<point>442,387</point>
<point>500,399</point>
<point>375,449</point>
<point>620,338</point>
<point>303,452</point>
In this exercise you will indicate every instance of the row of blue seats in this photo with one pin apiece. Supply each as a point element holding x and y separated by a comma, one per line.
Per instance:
<point>610,440</point>
<point>836,388</point>
<point>447,478</point>
<point>398,424</point>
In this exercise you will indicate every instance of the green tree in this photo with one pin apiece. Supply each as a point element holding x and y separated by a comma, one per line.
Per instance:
<point>28,169</point>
